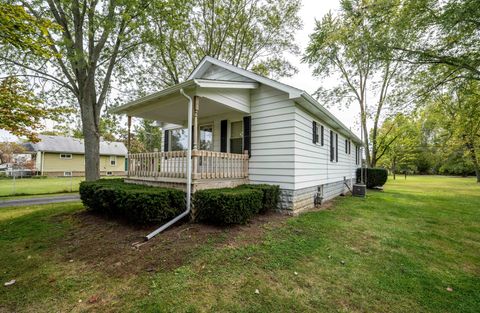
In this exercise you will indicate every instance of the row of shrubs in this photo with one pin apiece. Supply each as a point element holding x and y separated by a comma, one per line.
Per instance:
<point>234,205</point>
<point>144,205</point>
<point>136,203</point>
<point>373,177</point>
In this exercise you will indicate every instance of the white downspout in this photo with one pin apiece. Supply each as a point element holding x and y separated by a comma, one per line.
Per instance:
<point>189,173</point>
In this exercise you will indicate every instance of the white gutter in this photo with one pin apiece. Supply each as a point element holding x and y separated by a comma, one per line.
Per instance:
<point>189,173</point>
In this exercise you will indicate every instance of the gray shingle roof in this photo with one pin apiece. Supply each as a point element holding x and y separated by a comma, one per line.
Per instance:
<point>74,145</point>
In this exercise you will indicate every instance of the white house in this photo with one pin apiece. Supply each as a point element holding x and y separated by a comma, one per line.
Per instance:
<point>246,128</point>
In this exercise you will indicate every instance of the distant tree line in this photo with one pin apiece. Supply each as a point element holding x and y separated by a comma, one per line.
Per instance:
<point>413,69</point>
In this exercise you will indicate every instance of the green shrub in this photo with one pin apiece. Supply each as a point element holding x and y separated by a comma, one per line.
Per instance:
<point>270,196</point>
<point>227,206</point>
<point>39,177</point>
<point>375,177</point>
<point>136,203</point>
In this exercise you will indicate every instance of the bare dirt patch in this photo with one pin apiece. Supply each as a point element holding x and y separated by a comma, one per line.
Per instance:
<point>108,245</point>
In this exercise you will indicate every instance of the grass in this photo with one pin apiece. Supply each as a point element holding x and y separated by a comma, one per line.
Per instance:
<point>395,251</point>
<point>25,187</point>
<point>29,186</point>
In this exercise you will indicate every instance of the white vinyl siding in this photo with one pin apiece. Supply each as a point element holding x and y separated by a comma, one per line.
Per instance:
<point>312,161</point>
<point>282,151</point>
<point>273,138</point>
<point>219,73</point>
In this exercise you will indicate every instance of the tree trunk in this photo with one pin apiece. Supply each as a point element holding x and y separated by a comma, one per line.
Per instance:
<point>91,134</point>
<point>471,148</point>
<point>476,166</point>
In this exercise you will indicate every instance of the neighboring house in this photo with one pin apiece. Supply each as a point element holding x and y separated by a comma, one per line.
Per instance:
<point>65,156</point>
<point>290,139</point>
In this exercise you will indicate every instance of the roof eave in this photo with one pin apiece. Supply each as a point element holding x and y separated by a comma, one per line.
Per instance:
<point>123,109</point>
<point>332,117</point>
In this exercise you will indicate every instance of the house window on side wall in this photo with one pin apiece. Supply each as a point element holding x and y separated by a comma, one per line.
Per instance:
<point>178,139</point>
<point>336,147</point>
<point>206,137</point>
<point>113,160</point>
<point>236,137</point>
<point>317,133</point>
<point>68,174</point>
<point>65,156</point>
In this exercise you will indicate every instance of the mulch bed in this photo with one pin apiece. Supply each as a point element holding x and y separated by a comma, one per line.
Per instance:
<point>109,246</point>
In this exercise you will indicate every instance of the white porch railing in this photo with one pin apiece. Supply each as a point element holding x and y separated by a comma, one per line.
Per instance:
<point>173,164</point>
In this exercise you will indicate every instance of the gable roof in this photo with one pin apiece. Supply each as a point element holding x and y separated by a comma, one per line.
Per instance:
<point>243,79</point>
<point>298,95</point>
<point>63,144</point>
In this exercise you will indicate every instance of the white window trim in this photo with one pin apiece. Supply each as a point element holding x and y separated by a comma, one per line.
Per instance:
<point>67,156</point>
<point>114,160</point>
<point>69,175</point>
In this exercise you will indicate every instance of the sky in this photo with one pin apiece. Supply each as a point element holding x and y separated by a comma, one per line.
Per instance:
<point>311,10</point>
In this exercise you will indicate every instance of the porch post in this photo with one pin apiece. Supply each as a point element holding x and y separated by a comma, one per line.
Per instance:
<point>196,107</point>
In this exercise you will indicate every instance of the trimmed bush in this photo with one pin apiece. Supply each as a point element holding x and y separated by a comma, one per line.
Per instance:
<point>39,177</point>
<point>270,196</point>
<point>375,177</point>
<point>136,203</point>
<point>227,206</point>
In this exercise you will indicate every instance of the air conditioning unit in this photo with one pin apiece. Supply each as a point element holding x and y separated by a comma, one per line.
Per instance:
<point>359,190</point>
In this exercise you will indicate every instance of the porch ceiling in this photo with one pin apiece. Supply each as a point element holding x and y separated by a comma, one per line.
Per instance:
<point>173,110</point>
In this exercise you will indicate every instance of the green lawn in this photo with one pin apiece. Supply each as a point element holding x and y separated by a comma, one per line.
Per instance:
<point>396,251</point>
<point>29,186</point>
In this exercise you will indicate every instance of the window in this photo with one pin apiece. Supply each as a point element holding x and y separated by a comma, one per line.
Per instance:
<point>348,146</point>
<point>314,132</point>
<point>236,137</point>
<point>109,173</point>
<point>178,139</point>
<point>336,147</point>
<point>67,173</point>
<point>65,156</point>
<point>316,135</point>
<point>206,137</point>
<point>113,160</point>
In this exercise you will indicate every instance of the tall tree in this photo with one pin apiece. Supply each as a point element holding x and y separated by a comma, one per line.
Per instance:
<point>21,112</point>
<point>94,40</point>
<point>252,34</point>
<point>398,140</point>
<point>457,114</point>
<point>347,44</point>
<point>149,135</point>
<point>445,37</point>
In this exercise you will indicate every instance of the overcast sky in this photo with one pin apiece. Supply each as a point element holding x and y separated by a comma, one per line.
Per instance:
<point>311,10</point>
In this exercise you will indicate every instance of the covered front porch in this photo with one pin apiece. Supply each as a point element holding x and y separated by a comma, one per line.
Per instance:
<point>219,135</point>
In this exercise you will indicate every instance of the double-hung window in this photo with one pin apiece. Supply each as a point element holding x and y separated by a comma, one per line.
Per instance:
<point>65,156</point>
